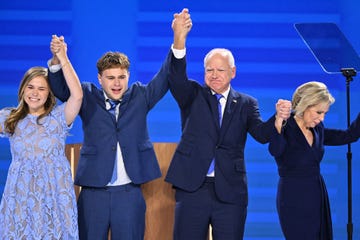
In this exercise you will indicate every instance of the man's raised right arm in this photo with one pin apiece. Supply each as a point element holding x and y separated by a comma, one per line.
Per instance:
<point>181,26</point>
<point>57,80</point>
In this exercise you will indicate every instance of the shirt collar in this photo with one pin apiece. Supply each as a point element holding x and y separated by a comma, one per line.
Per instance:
<point>225,94</point>
<point>107,104</point>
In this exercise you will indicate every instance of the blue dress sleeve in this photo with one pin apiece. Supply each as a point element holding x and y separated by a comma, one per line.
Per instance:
<point>4,113</point>
<point>59,113</point>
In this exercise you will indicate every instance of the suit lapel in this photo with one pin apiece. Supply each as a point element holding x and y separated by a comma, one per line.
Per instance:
<point>230,106</point>
<point>100,98</point>
<point>297,136</point>
<point>124,102</point>
<point>212,104</point>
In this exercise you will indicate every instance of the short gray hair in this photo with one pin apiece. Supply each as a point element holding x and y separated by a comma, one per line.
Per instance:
<point>223,52</point>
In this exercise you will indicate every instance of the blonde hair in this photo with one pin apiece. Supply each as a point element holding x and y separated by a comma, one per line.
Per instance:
<point>310,94</point>
<point>22,109</point>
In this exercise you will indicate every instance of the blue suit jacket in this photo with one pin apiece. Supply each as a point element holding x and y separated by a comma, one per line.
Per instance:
<point>202,139</point>
<point>102,132</point>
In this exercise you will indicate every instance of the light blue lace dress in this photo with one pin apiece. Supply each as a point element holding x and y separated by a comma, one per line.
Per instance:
<point>39,199</point>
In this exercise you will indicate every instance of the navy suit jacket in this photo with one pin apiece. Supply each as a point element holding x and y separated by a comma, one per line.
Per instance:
<point>102,132</point>
<point>202,138</point>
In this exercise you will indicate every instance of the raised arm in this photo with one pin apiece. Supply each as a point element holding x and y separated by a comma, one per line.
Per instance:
<point>181,26</point>
<point>283,111</point>
<point>59,49</point>
<point>159,85</point>
<point>56,79</point>
<point>181,88</point>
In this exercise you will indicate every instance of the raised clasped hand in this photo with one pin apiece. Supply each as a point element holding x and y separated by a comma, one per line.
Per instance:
<point>57,45</point>
<point>58,48</point>
<point>283,109</point>
<point>182,21</point>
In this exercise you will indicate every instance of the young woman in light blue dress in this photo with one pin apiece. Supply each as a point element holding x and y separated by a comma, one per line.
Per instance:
<point>39,200</point>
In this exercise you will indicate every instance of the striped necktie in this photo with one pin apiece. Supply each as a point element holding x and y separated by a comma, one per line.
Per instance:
<point>113,105</point>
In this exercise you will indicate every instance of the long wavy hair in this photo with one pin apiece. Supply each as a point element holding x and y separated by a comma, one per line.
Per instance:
<point>22,109</point>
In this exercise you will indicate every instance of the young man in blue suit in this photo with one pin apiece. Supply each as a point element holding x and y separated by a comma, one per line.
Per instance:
<point>208,169</point>
<point>117,155</point>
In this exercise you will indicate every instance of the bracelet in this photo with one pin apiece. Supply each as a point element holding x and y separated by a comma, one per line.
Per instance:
<point>64,65</point>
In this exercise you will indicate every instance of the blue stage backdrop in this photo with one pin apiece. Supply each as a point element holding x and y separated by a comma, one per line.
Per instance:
<point>271,62</point>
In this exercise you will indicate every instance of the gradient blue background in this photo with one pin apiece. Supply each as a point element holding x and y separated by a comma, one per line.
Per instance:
<point>271,60</point>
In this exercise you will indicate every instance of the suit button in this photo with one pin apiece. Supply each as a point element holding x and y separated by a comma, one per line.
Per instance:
<point>113,148</point>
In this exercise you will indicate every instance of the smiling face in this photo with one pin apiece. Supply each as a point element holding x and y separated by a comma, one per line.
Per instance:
<point>114,82</point>
<point>36,93</point>
<point>219,70</point>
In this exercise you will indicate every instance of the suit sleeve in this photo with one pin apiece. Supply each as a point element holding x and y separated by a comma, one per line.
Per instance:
<point>277,143</point>
<point>335,137</point>
<point>181,87</point>
<point>259,130</point>
<point>159,84</point>
<point>58,85</point>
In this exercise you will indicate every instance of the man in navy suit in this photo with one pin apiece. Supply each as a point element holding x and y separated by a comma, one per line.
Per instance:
<point>208,169</point>
<point>117,155</point>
